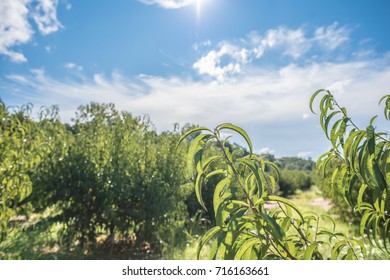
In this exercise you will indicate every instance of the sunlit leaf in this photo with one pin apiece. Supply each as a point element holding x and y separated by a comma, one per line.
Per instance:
<point>206,237</point>
<point>238,130</point>
<point>191,131</point>
<point>313,97</point>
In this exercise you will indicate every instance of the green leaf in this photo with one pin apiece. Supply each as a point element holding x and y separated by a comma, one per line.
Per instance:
<point>313,97</point>
<point>198,189</point>
<point>249,243</point>
<point>216,172</point>
<point>255,170</point>
<point>222,194</point>
<point>337,248</point>
<point>372,120</point>
<point>323,216</point>
<point>333,133</point>
<point>348,143</point>
<point>376,230</point>
<point>195,152</point>
<point>206,237</point>
<point>241,203</point>
<point>362,247</point>
<point>238,130</point>
<point>364,220</point>
<point>275,167</point>
<point>286,202</point>
<point>232,233</point>
<point>383,98</point>
<point>210,160</point>
<point>272,226</point>
<point>326,124</point>
<point>309,251</point>
<point>386,110</point>
<point>191,131</point>
<point>360,195</point>
<point>370,139</point>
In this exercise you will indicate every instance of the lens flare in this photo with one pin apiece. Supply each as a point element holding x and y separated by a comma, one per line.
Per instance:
<point>199,8</point>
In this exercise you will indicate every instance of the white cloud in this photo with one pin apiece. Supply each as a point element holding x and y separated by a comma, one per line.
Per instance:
<point>168,4</point>
<point>73,66</point>
<point>266,150</point>
<point>269,103</point>
<point>230,58</point>
<point>331,37</point>
<point>68,6</point>
<point>264,97</point>
<point>200,45</point>
<point>45,16</point>
<point>304,154</point>
<point>15,28</point>
<point>294,42</point>
<point>212,65</point>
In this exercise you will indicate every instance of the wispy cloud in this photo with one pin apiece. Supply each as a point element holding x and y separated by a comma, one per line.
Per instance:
<point>265,98</point>
<point>15,28</point>
<point>230,58</point>
<point>236,88</point>
<point>73,66</point>
<point>305,154</point>
<point>266,150</point>
<point>331,37</point>
<point>45,16</point>
<point>168,4</point>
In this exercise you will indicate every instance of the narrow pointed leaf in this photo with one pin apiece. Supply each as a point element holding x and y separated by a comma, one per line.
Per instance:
<point>239,130</point>
<point>206,237</point>
<point>249,243</point>
<point>191,131</point>
<point>309,251</point>
<point>313,97</point>
<point>286,202</point>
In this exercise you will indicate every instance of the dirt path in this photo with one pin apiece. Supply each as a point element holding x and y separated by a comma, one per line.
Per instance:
<point>318,201</point>
<point>321,202</point>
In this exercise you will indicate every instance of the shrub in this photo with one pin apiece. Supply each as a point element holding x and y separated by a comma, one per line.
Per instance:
<point>246,229</point>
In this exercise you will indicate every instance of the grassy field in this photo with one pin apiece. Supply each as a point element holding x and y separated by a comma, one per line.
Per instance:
<point>308,201</point>
<point>34,241</point>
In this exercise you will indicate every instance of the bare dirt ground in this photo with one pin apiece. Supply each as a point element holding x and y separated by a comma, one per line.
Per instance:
<point>318,201</point>
<point>321,202</point>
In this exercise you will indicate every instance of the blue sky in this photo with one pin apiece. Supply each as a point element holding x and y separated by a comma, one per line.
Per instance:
<point>254,63</point>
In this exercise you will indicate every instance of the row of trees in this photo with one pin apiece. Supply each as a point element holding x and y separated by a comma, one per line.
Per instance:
<point>108,172</point>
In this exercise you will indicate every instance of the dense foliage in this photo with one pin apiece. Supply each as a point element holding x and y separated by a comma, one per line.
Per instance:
<point>294,181</point>
<point>111,174</point>
<point>360,165</point>
<point>247,229</point>
<point>23,147</point>
<point>107,173</point>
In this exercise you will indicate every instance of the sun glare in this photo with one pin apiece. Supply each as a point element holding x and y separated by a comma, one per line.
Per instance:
<point>199,8</point>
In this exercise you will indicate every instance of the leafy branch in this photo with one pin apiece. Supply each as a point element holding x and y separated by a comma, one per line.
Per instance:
<point>363,166</point>
<point>245,228</point>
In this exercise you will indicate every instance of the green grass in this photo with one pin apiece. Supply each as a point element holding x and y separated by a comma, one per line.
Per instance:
<point>310,201</point>
<point>189,251</point>
<point>37,241</point>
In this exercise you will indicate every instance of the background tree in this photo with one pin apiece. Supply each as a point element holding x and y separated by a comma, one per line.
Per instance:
<point>361,170</point>
<point>23,147</point>
<point>118,175</point>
